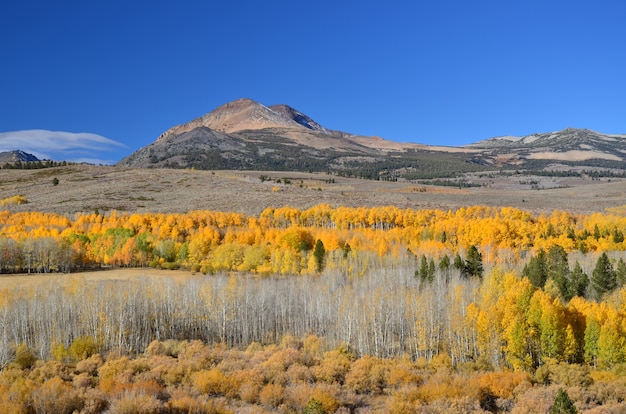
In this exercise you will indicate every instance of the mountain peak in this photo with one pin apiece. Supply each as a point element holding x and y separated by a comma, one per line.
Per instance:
<point>246,114</point>
<point>17,155</point>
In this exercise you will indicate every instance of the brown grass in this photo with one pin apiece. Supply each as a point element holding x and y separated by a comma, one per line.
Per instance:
<point>104,188</point>
<point>37,279</point>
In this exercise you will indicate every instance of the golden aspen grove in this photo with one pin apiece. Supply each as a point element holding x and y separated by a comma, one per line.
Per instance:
<point>328,309</point>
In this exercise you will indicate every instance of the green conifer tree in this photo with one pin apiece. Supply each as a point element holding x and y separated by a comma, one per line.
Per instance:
<point>603,278</point>
<point>563,404</point>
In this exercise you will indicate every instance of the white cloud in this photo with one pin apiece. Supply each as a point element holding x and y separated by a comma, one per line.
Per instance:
<point>61,145</point>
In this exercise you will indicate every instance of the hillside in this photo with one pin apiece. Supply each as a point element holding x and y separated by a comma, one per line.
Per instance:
<point>89,188</point>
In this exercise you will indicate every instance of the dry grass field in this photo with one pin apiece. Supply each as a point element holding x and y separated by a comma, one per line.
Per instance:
<point>34,280</point>
<point>84,188</point>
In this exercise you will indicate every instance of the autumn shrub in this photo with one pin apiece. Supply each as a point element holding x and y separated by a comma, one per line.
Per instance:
<point>570,374</point>
<point>156,348</point>
<point>132,403</point>
<point>249,392</point>
<point>43,371</point>
<point>275,367</point>
<point>312,349</point>
<point>500,384</point>
<point>297,396</point>
<point>83,380</point>
<point>404,400</point>
<point>168,370</point>
<point>272,395</point>
<point>94,401</point>
<point>59,352</point>
<point>299,373</point>
<point>367,375</point>
<point>333,367</point>
<point>608,391</point>
<point>328,396</point>
<point>535,400</point>
<point>181,402</point>
<point>15,392</point>
<point>56,396</point>
<point>24,357</point>
<point>82,348</point>
<point>202,355</point>
<point>211,382</point>
<point>403,373</point>
<point>446,386</point>
<point>174,347</point>
<point>461,405</point>
<point>233,361</point>
<point>90,365</point>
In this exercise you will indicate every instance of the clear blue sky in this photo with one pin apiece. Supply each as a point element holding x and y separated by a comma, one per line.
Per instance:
<point>433,72</point>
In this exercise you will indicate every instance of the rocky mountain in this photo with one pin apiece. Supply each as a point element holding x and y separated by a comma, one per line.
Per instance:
<point>15,156</point>
<point>247,135</point>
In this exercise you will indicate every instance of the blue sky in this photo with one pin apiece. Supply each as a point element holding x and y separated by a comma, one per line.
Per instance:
<point>447,72</point>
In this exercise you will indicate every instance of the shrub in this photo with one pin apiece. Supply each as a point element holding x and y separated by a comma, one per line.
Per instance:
<point>16,199</point>
<point>272,395</point>
<point>55,396</point>
<point>24,357</point>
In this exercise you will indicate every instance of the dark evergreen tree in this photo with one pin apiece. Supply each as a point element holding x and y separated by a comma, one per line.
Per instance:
<point>536,269</point>
<point>579,281</point>
<point>473,266</point>
<point>596,232</point>
<point>617,235</point>
<point>423,270</point>
<point>563,404</point>
<point>431,270</point>
<point>319,253</point>
<point>603,278</point>
<point>444,263</point>
<point>557,269</point>
<point>346,250</point>
<point>458,262</point>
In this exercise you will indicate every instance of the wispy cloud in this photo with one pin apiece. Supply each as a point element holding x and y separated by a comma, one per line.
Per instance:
<point>61,145</point>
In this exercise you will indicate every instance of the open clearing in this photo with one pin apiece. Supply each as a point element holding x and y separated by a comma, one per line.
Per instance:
<point>35,280</point>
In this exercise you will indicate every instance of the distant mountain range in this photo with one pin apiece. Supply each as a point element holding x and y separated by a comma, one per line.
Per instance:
<point>245,134</point>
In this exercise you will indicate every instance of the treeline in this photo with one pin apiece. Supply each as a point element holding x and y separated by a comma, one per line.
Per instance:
<point>281,240</point>
<point>33,165</point>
